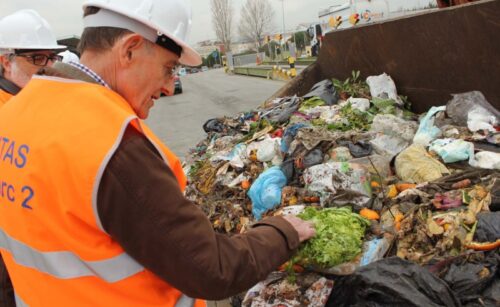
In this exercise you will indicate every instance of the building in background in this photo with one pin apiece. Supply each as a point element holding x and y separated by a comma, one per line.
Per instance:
<point>70,41</point>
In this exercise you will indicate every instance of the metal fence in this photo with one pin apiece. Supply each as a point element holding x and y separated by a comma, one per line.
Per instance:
<point>248,59</point>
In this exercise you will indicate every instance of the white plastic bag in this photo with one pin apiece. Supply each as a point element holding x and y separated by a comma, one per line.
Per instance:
<point>361,104</point>
<point>340,182</point>
<point>268,149</point>
<point>389,146</point>
<point>383,86</point>
<point>481,119</point>
<point>394,126</point>
<point>236,157</point>
<point>486,159</point>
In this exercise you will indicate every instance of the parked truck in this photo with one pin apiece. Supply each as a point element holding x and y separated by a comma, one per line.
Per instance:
<point>343,14</point>
<point>347,13</point>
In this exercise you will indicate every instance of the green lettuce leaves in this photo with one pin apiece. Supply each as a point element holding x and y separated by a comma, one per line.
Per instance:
<point>339,237</point>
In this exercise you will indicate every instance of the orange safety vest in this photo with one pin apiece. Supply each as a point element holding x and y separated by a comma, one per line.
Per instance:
<point>4,97</point>
<point>55,142</point>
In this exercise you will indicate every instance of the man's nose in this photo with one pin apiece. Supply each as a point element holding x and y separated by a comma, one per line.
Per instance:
<point>168,88</point>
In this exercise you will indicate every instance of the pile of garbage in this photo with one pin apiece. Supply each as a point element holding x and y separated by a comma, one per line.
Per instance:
<point>406,207</point>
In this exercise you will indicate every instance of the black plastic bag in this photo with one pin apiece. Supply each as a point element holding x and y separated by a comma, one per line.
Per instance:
<point>495,196</point>
<point>324,90</point>
<point>488,227</point>
<point>313,158</point>
<point>471,278</point>
<point>288,169</point>
<point>392,282</point>
<point>491,296</point>
<point>282,111</point>
<point>360,149</point>
<point>213,125</point>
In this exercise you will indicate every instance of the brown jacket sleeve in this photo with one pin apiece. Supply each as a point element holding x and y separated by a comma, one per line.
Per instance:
<point>6,290</point>
<point>141,207</point>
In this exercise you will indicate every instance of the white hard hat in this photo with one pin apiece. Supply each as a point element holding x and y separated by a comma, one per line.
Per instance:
<point>69,56</point>
<point>26,29</point>
<point>156,20</point>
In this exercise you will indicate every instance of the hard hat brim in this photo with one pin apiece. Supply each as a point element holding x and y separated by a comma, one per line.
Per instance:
<point>189,56</point>
<point>35,47</point>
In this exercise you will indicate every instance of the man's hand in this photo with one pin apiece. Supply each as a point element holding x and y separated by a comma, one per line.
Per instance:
<point>304,228</point>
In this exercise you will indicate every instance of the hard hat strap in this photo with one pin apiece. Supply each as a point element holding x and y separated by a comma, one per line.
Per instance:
<point>21,51</point>
<point>167,43</point>
<point>108,18</point>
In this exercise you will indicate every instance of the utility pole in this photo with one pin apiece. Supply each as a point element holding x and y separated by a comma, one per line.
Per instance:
<point>295,40</point>
<point>283,13</point>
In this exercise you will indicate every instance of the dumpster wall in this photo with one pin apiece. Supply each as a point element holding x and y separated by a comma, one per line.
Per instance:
<point>429,55</point>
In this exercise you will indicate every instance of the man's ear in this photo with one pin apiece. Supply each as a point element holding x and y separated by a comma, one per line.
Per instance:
<point>128,47</point>
<point>5,64</point>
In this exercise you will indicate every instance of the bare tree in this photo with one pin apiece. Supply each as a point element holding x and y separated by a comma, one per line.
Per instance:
<point>256,19</point>
<point>222,19</point>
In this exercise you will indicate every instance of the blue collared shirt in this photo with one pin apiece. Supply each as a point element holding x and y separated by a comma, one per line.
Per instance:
<point>90,73</point>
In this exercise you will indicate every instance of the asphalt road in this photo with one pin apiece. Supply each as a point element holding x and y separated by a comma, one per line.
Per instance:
<point>178,120</point>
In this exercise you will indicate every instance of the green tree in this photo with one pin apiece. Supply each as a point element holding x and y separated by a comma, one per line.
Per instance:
<point>302,40</point>
<point>213,58</point>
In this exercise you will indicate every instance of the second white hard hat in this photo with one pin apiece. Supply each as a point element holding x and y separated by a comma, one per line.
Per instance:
<point>153,19</point>
<point>69,56</point>
<point>26,29</point>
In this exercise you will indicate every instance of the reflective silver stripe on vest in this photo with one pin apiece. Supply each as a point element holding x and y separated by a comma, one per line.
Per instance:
<point>102,167</point>
<point>66,265</point>
<point>185,301</point>
<point>19,301</point>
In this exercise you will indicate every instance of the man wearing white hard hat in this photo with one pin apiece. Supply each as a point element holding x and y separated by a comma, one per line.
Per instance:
<point>68,56</point>
<point>96,214</point>
<point>26,44</point>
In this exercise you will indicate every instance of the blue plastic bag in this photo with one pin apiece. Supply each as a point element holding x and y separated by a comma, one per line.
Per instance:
<point>452,150</point>
<point>265,192</point>
<point>427,131</point>
<point>374,250</point>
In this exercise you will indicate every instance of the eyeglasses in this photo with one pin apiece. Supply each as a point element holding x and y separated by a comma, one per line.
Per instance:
<point>40,59</point>
<point>170,72</point>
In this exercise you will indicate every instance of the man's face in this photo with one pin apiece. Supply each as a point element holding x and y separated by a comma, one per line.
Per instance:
<point>150,73</point>
<point>18,68</point>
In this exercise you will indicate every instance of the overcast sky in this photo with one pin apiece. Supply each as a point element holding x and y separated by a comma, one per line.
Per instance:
<point>65,15</point>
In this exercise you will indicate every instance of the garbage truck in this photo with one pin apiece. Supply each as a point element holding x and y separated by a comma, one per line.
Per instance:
<point>430,55</point>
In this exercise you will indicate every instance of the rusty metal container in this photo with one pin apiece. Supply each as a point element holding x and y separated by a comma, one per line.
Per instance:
<point>429,55</point>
